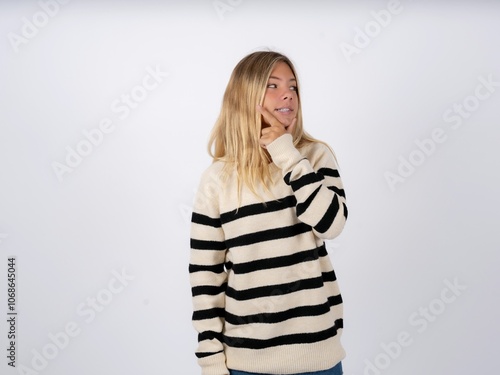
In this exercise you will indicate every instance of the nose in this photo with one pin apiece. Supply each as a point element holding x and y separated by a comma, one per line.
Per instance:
<point>287,94</point>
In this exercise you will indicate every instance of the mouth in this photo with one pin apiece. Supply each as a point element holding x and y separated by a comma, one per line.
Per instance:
<point>284,110</point>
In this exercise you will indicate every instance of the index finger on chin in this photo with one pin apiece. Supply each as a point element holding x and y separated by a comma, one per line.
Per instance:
<point>268,116</point>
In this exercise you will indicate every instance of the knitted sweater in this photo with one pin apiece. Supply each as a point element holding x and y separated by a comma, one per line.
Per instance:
<point>265,295</point>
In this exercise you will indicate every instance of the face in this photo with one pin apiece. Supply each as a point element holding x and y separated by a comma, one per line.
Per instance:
<point>281,97</point>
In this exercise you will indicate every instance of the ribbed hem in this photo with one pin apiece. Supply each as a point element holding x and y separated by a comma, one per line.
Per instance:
<point>289,359</point>
<point>214,364</point>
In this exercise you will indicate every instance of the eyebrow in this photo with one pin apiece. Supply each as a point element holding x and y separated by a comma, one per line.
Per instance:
<point>279,79</point>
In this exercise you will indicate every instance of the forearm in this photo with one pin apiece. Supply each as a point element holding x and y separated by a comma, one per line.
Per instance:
<point>317,188</point>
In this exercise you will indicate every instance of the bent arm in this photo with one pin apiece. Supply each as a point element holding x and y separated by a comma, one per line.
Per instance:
<point>316,185</point>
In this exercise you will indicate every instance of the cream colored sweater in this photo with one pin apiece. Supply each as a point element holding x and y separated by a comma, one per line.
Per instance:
<point>265,295</point>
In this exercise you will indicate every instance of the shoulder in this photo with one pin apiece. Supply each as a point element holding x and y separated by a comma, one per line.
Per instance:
<point>213,169</point>
<point>215,175</point>
<point>207,198</point>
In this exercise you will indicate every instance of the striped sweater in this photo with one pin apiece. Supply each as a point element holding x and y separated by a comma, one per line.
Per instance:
<point>265,295</point>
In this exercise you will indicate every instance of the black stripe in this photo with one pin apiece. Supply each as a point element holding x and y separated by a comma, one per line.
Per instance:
<point>297,338</point>
<point>335,300</point>
<point>322,251</point>
<point>302,207</point>
<point>217,268</point>
<point>210,335</point>
<point>329,172</point>
<point>216,312</point>
<point>205,220</point>
<point>269,318</point>
<point>207,245</point>
<point>258,208</point>
<point>329,216</point>
<point>206,354</point>
<point>345,210</point>
<point>307,179</point>
<point>338,191</point>
<point>210,290</point>
<point>277,262</point>
<point>286,178</point>
<point>268,235</point>
<point>322,172</point>
<point>329,276</point>
<point>273,290</point>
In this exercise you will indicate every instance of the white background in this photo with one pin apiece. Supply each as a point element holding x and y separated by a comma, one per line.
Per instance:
<point>125,207</point>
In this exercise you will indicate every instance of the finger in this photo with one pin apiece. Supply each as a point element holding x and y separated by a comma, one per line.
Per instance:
<point>268,116</point>
<point>267,132</point>
<point>272,132</point>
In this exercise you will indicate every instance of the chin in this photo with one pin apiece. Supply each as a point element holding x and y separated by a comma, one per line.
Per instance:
<point>285,120</point>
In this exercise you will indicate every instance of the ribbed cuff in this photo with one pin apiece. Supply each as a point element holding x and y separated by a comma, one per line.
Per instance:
<point>284,153</point>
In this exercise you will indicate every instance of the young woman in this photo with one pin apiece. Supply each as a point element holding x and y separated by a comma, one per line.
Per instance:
<point>265,295</point>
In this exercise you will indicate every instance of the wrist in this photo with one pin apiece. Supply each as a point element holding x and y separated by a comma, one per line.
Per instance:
<point>283,153</point>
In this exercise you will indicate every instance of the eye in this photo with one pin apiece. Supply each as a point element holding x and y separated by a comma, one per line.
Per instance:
<point>271,86</point>
<point>293,88</point>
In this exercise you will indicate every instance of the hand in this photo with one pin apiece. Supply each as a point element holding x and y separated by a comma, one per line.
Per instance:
<point>275,128</point>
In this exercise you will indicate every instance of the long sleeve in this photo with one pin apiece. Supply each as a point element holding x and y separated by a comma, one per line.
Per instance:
<point>316,185</point>
<point>208,278</point>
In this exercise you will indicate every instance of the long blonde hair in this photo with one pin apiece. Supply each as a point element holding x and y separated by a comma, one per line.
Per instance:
<point>236,133</point>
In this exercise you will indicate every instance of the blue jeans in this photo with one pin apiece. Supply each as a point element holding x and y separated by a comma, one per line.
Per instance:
<point>336,370</point>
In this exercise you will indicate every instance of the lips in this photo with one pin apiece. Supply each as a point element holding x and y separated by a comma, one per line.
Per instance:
<point>284,110</point>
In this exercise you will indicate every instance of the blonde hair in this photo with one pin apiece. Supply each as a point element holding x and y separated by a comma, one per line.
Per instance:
<point>236,133</point>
